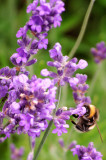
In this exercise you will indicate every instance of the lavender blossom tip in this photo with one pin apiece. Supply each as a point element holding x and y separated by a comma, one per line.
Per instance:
<point>87,152</point>
<point>99,52</point>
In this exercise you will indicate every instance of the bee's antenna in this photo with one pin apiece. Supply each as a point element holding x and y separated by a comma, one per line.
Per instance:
<point>99,131</point>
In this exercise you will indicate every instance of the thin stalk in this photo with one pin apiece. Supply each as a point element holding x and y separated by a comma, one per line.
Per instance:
<point>64,155</point>
<point>58,98</point>
<point>30,143</point>
<point>83,28</point>
<point>6,124</point>
<point>28,2</point>
<point>29,14</point>
<point>12,20</point>
<point>10,141</point>
<point>68,142</point>
<point>94,79</point>
<point>1,77</point>
<point>30,68</point>
<point>43,140</point>
<point>64,94</point>
<point>49,127</point>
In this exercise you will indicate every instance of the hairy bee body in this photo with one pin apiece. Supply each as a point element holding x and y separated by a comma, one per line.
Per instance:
<point>88,120</point>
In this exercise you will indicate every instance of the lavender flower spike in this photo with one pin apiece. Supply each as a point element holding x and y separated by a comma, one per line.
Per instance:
<point>45,15</point>
<point>65,68</point>
<point>60,121</point>
<point>69,147</point>
<point>79,87</point>
<point>31,154</point>
<point>88,153</point>
<point>99,52</point>
<point>16,154</point>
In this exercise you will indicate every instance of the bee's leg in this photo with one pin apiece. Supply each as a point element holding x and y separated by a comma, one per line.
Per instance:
<point>84,128</point>
<point>78,127</point>
<point>75,115</point>
<point>86,119</point>
<point>89,121</point>
<point>73,122</point>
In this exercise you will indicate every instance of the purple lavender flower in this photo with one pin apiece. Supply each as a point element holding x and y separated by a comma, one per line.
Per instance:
<point>30,156</point>
<point>65,73</point>
<point>61,128</point>
<point>26,121</point>
<point>20,58</point>
<point>65,68</point>
<point>63,114</point>
<point>5,75</point>
<point>29,103</point>
<point>3,91</point>
<point>36,97</point>
<point>5,79</point>
<point>60,121</point>
<point>87,153</point>
<point>80,110</point>
<point>43,42</point>
<point>32,6</point>
<point>99,52</point>
<point>79,87</point>
<point>82,152</point>
<point>69,147</point>
<point>61,142</point>
<point>15,108</point>
<point>16,154</point>
<point>22,32</point>
<point>36,102</point>
<point>45,15</point>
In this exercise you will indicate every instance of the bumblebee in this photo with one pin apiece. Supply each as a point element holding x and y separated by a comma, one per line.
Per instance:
<point>88,121</point>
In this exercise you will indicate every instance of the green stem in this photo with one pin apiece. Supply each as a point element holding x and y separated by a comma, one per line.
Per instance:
<point>64,94</point>
<point>94,79</point>
<point>30,144</point>
<point>58,98</point>
<point>43,140</point>
<point>28,2</point>
<point>30,68</point>
<point>49,126</point>
<point>82,31</point>
<point>64,155</point>
<point>12,20</point>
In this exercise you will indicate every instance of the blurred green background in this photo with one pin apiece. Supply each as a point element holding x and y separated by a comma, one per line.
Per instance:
<point>12,17</point>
